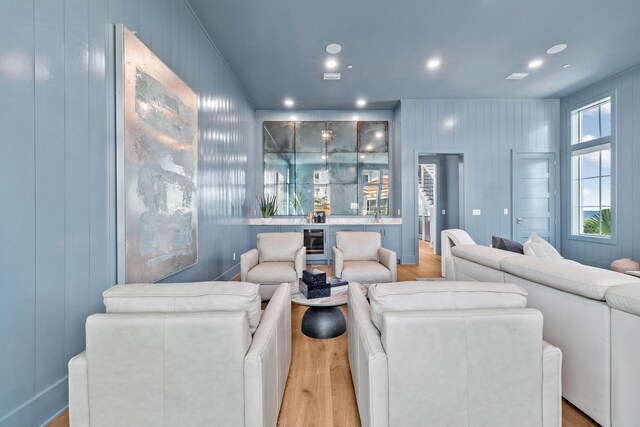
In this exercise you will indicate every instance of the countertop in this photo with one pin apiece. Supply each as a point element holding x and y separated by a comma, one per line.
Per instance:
<point>330,221</point>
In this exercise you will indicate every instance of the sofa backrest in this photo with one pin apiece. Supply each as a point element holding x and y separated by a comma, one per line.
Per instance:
<point>279,247</point>
<point>166,369</point>
<point>464,367</point>
<point>359,246</point>
<point>429,296</point>
<point>185,298</point>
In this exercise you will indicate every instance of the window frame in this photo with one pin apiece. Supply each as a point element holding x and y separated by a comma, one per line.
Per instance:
<point>594,145</point>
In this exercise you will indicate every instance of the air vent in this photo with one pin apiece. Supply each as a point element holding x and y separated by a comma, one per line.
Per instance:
<point>332,76</point>
<point>517,76</point>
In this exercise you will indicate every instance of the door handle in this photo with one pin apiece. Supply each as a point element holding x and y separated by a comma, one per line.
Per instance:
<point>519,220</point>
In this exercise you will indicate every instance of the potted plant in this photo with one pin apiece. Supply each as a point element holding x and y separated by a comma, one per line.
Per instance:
<point>268,207</point>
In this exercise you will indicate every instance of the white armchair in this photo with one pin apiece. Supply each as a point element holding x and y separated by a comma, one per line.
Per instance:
<point>183,354</point>
<point>358,256</point>
<point>451,354</point>
<point>279,258</point>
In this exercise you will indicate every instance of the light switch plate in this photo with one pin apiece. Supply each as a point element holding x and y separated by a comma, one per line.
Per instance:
<point>506,211</point>
<point>475,212</point>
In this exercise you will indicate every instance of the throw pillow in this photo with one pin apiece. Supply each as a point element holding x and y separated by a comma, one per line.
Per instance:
<point>538,247</point>
<point>507,245</point>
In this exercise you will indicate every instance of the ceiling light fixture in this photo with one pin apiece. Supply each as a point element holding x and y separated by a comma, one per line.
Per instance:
<point>355,118</point>
<point>362,156</point>
<point>378,134</point>
<point>566,66</point>
<point>535,63</point>
<point>333,48</point>
<point>349,66</point>
<point>517,76</point>
<point>289,102</point>
<point>556,49</point>
<point>433,63</point>
<point>369,147</point>
<point>331,64</point>
<point>361,102</point>
<point>293,117</point>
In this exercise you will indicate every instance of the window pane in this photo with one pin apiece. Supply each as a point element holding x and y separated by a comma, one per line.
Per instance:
<point>590,124</point>
<point>606,191</point>
<point>590,220</point>
<point>590,164</point>
<point>591,192</point>
<point>605,118</point>
<point>606,162</point>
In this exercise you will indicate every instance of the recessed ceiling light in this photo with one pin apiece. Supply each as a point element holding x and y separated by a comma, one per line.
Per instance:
<point>323,157</point>
<point>333,48</point>
<point>433,63</point>
<point>361,102</point>
<point>331,64</point>
<point>293,117</point>
<point>517,76</point>
<point>535,63</point>
<point>378,134</point>
<point>289,102</point>
<point>369,147</point>
<point>556,49</point>
<point>349,66</point>
<point>362,156</point>
<point>450,122</point>
<point>355,118</point>
<point>566,66</point>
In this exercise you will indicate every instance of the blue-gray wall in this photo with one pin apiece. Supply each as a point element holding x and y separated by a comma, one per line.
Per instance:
<point>485,132</point>
<point>627,173</point>
<point>57,181</point>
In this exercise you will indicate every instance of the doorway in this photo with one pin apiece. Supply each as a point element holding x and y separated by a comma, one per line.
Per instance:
<point>439,204</point>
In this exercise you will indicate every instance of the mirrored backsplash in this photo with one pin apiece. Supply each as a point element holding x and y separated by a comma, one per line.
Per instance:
<point>338,167</point>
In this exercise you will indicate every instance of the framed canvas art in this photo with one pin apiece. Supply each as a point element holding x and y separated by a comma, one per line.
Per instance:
<point>157,165</point>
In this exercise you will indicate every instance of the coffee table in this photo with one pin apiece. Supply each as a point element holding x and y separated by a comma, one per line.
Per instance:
<point>323,319</point>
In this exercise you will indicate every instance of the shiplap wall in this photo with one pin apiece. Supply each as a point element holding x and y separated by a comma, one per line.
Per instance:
<point>57,181</point>
<point>627,173</point>
<point>485,131</point>
<point>261,116</point>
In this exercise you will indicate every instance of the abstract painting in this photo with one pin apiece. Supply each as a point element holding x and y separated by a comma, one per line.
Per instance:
<point>157,132</point>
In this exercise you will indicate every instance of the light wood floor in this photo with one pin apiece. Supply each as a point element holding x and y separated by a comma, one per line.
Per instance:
<point>319,391</point>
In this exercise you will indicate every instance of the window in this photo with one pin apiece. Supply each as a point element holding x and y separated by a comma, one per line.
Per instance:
<point>591,169</point>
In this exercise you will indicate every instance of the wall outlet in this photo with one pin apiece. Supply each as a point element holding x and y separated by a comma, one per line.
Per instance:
<point>444,211</point>
<point>506,211</point>
<point>475,212</point>
<point>234,256</point>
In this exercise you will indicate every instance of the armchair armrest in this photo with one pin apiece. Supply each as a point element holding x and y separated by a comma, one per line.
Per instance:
<point>301,260</point>
<point>79,390</point>
<point>248,260</point>
<point>551,386</point>
<point>266,364</point>
<point>389,259</point>
<point>337,260</point>
<point>368,361</point>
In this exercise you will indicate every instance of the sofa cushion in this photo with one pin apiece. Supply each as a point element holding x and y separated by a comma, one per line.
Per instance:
<point>538,247</point>
<point>365,272</point>
<point>410,296</point>
<point>279,246</point>
<point>505,244</point>
<point>566,275</point>
<point>185,297</point>
<point>483,255</point>
<point>273,273</point>
<point>625,298</point>
<point>359,246</point>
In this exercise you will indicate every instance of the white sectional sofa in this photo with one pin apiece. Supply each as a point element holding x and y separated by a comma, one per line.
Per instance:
<point>571,296</point>
<point>625,349</point>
